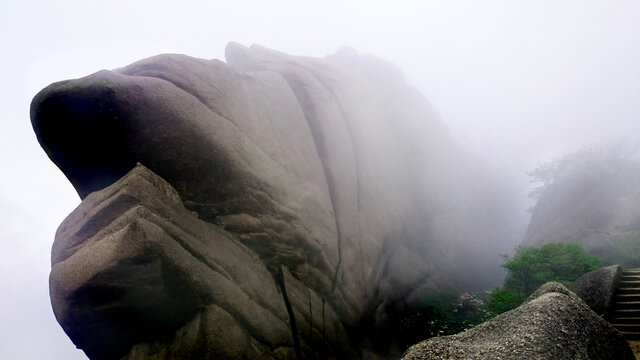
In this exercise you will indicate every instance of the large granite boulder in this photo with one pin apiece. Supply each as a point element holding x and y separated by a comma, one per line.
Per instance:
<point>132,264</point>
<point>597,288</point>
<point>552,324</point>
<point>282,207</point>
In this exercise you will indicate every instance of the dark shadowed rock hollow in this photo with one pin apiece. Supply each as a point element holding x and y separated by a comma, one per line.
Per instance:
<point>269,207</point>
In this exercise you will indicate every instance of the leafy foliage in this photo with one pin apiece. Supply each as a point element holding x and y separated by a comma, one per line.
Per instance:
<point>531,267</point>
<point>446,312</point>
<point>503,300</point>
<point>443,313</point>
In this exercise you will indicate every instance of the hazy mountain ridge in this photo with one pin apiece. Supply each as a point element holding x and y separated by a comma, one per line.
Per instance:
<point>593,200</point>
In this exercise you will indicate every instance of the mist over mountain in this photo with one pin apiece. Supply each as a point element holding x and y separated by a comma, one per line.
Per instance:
<point>590,196</point>
<point>516,84</point>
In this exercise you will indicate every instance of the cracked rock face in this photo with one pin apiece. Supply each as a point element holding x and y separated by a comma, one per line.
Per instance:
<point>269,207</point>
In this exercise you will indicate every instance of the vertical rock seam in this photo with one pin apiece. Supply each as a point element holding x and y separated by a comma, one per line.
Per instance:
<point>292,318</point>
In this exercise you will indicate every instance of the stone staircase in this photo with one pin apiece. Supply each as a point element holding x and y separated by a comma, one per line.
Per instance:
<point>626,308</point>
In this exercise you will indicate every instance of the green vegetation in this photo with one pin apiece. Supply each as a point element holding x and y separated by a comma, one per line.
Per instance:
<point>442,313</point>
<point>503,300</point>
<point>530,267</point>
<point>447,312</point>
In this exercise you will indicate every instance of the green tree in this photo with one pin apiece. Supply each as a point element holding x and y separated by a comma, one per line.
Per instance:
<point>530,267</point>
<point>502,300</point>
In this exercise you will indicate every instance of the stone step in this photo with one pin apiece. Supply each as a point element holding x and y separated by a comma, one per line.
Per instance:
<point>625,305</point>
<point>631,335</point>
<point>626,313</point>
<point>629,283</point>
<point>627,327</point>
<point>627,290</point>
<point>625,320</point>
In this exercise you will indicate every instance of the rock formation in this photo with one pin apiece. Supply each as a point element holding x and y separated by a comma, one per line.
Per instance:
<point>272,207</point>
<point>552,324</point>
<point>597,288</point>
<point>594,201</point>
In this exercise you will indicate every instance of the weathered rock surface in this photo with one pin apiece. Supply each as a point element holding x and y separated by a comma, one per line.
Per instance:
<point>597,288</point>
<point>282,206</point>
<point>133,250</point>
<point>552,325</point>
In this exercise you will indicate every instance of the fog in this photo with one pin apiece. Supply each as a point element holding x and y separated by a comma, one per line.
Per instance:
<point>517,83</point>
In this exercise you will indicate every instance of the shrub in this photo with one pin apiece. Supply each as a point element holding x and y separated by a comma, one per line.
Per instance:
<point>503,300</point>
<point>530,267</point>
<point>442,313</point>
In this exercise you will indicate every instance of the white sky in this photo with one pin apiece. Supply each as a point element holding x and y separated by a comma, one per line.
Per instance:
<point>519,81</point>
